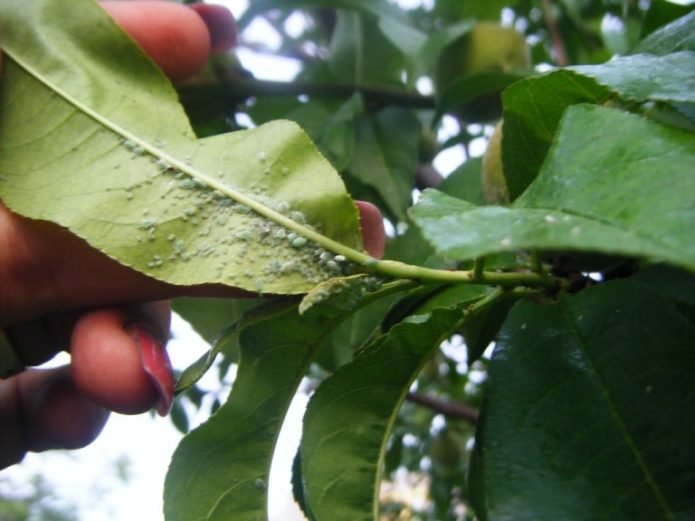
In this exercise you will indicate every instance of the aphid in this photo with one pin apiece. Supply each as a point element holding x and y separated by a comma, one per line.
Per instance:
<point>339,258</point>
<point>161,164</point>
<point>298,217</point>
<point>298,242</point>
<point>279,233</point>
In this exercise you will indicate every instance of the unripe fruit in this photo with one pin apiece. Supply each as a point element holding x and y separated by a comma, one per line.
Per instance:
<point>427,146</point>
<point>492,170</point>
<point>118,366</point>
<point>487,46</point>
<point>446,449</point>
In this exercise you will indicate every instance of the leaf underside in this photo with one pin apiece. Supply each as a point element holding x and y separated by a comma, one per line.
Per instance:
<point>93,138</point>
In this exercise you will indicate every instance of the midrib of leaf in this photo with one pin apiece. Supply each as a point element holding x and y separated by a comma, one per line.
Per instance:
<point>648,478</point>
<point>261,209</point>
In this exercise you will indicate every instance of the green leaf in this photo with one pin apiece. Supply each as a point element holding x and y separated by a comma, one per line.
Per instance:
<point>679,35</point>
<point>676,285</point>
<point>360,54</point>
<point>209,316</point>
<point>386,156</point>
<point>469,88</point>
<point>661,13</point>
<point>606,187</point>
<point>409,40</point>
<point>93,138</point>
<point>349,419</point>
<point>590,410</point>
<point>533,107</point>
<point>336,137</point>
<point>220,470</point>
<point>532,111</point>
<point>465,182</point>
<point>670,78</point>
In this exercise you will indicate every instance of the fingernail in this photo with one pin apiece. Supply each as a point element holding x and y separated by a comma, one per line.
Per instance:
<point>156,363</point>
<point>221,25</point>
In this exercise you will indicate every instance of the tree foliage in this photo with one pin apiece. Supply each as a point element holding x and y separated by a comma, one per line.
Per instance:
<point>583,282</point>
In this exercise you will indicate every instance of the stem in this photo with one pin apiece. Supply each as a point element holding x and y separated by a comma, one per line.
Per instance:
<point>537,263</point>
<point>478,268</point>
<point>401,270</point>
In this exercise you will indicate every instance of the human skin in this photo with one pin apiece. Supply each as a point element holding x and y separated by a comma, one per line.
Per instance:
<point>58,291</point>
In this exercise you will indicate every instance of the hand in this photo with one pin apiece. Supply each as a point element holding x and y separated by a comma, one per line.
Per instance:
<point>57,291</point>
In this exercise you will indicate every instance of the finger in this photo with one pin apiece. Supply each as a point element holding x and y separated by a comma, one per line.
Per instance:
<point>42,410</point>
<point>124,343</point>
<point>221,25</point>
<point>373,234</point>
<point>173,35</point>
<point>120,363</point>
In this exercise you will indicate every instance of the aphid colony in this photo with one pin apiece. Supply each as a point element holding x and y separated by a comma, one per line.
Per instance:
<point>184,218</point>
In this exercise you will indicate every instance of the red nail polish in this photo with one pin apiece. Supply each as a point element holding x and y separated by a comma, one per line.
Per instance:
<point>156,363</point>
<point>221,25</point>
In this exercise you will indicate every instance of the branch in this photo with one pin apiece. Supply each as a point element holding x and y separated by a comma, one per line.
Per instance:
<point>558,44</point>
<point>457,410</point>
<point>242,88</point>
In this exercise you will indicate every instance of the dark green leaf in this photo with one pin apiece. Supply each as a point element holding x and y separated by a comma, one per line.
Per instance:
<point>606,187</point>
<point>349,419</point>
<point>482,326</point>
<point>676,285</point>
<point>533,107</point>
<point>220,470</point>
<point>532,112</point>
<point>679,35</point>
<point>469,90</point>
<point>671,78</point>
<point>660,13</point>
<point>465,183</point>
<point>590,410</point>
<point>209,316</point>
<point>386,156</point>
<point>359,53</point>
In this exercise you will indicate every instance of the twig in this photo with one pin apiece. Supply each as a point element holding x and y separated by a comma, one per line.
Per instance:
<point>447,408</point>
<point>558,45</point>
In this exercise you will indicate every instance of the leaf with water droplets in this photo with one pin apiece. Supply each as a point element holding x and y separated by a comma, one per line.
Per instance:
<point>606,187</point>
<point>94,139</point>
